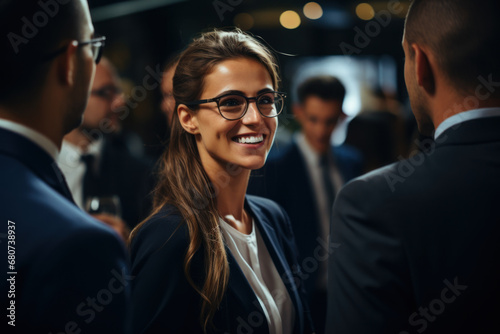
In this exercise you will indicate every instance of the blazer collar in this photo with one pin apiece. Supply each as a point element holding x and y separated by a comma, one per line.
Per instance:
<point>35,158</point>
<point>271,240</point>
<point>474,131</point>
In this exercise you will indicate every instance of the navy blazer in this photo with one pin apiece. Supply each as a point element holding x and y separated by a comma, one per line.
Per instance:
<point>285,179</point>
<point>165,302</point>
<point>71,269</point>
<point>419,239</point>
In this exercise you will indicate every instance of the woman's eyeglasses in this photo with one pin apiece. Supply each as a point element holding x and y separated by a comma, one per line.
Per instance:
<point>234,106</point>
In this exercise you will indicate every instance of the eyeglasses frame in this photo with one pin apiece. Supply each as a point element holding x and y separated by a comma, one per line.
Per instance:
<point>101,40</point>
<point>248,99</point>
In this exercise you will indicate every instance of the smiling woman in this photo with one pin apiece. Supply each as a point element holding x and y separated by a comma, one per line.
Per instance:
<point>210,259</point>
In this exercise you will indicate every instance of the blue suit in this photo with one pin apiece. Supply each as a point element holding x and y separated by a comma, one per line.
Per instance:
<point>165,301</point>
<point>71,269</point>
<point>419,240</point>
<point>285,179</point>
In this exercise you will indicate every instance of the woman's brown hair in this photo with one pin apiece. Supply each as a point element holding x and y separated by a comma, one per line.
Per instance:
<point>183,181</point>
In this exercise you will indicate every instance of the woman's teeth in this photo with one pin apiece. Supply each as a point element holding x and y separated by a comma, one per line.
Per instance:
<point>250,139</point>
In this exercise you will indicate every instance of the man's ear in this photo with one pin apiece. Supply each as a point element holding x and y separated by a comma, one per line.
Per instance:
<point>188,119</point>
<point>423,70</point>
<point>67,64</point>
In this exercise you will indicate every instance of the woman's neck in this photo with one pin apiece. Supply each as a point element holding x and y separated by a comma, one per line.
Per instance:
<point>231,187</point>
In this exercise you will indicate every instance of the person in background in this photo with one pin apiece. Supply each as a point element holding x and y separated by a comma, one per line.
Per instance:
<point>65,271</point>
<point>305,177</point>
<point>167,89</point>
<point>378,131</point>
<point>96,161</point>
<point>418,239</point>
<point>210,259</point>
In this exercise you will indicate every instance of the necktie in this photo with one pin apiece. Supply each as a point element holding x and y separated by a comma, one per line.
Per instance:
<point>327,180</point>
<point>90,178</point>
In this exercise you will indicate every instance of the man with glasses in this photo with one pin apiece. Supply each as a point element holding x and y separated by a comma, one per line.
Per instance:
<point>304,176</point>
<point>65,271</point>
<point>96,160</point>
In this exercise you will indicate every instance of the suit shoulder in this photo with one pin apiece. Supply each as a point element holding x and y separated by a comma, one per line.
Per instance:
<point>375,186</point>
<point>50,213</point>
<point>347,152</point>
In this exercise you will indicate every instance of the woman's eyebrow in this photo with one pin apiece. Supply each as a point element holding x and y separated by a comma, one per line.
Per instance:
<point>239,92</point>
<point>228,92</point>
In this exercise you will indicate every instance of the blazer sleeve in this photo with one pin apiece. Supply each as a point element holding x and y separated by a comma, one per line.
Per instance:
<point>163,300</point>
<point>368,278</point>
<point>86,285</point>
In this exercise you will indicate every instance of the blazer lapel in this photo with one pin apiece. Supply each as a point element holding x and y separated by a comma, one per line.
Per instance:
<point>36,159</point>
<point>272,243</point>
<point>240,288</point>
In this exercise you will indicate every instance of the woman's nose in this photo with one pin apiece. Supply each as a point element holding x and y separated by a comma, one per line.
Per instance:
<point>253,114</point>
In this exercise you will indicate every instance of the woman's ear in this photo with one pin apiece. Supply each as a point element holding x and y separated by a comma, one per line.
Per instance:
<point>188,119</point>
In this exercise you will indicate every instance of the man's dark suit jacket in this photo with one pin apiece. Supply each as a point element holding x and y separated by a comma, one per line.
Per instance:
<point>418,240</point>
<point>285,179</point>
<point>128,176</point>
<point>164,301</point>
<point>71,269</point>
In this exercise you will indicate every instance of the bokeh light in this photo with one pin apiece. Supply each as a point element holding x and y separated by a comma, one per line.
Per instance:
<point>313,10</point>
<point>365,11</point>
<point>290,19</point>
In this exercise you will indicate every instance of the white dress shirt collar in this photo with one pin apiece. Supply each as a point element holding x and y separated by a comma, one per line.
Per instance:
<point>311,156</point>
<point>465,116</point>
<point>34,136</point>
<point>74,168</point>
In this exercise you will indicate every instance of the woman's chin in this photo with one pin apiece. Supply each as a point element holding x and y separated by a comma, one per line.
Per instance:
<point>254,164</point>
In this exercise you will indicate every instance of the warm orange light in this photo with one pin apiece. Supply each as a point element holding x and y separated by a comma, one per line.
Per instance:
<point>290,19</point>
<point>365,11</point>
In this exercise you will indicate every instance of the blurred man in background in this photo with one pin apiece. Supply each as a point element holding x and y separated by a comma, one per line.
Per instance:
<point>96,161</point>
<point>167,89</point>
<point>306,175</point>
<point>418,239</point>
<point>60,258</point>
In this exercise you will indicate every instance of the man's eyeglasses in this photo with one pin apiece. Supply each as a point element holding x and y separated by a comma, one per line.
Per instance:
<point>97,44</point>
<point>234,106</point>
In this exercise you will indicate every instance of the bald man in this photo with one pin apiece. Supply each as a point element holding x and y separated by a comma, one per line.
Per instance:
<point>416,242</point>
<point>97,162</point>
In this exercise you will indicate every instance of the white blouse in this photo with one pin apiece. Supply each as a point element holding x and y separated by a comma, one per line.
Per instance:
<point>252,256</point>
